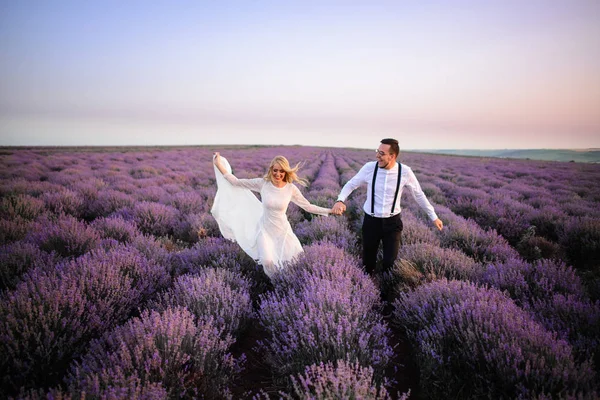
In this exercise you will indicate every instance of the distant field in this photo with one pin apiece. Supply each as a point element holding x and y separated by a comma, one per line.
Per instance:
<point>115,281</point>
<point>588,155</point>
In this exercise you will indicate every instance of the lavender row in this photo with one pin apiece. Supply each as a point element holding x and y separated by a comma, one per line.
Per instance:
<point>178,347</point>
<point>324,310</point>
<point>551,207</point>
<point>336,380</point>
<point>182,344</point>
<point>50,317</point>
<point>467,333</point>
<point>323,190</point>
<point>549,289</point>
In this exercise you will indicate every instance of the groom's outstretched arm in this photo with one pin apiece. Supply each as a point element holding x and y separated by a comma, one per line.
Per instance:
<point>354,182</point>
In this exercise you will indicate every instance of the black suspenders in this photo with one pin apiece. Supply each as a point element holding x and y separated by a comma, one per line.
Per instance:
<point>373,188</point>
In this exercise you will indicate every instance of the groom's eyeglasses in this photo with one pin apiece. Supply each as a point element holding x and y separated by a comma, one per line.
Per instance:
<point>380,153</point>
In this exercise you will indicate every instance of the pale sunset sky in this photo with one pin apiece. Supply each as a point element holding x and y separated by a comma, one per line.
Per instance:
<point>434,74</point>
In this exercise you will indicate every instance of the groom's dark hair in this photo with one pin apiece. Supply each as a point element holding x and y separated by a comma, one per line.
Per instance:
<point>394,148</point>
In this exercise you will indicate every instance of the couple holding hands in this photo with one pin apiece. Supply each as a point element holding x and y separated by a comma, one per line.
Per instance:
<point>263,231</point>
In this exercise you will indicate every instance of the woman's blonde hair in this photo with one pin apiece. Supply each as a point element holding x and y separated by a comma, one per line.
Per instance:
<point>290,173</point>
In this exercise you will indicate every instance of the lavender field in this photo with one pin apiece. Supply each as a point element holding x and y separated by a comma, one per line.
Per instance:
<point>116,283</point>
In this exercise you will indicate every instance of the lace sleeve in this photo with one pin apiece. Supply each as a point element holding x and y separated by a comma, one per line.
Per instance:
<point>300,200</point>
<point>255,184</point>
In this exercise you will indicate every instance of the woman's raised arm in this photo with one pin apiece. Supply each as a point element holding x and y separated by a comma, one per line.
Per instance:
<point>218,163</point>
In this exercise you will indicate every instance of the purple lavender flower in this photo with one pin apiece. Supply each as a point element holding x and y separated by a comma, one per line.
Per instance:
<point>526,282</point>
<point>435,262</point>
<point>212,293</point>
<point>64,202</point>
<point>155,218</point>
<point>339,380</point>
<point>153,193</point>
<point>109,201</point>
<point>465,333</point>
<point>466,235</point>
<point>327,176</point>
<point>66,236</point>
<point>19,257</point>
<point>21,206</point>
<point>581,241</point>
<point>12,230</point>
<point>188,202</point>
<point>554,295</point>
<point>167,349</point>
<point>54,312</point>
<point>417,231</point>
<point>332,229</point>
<point>574,319</point>
<point>115,228</point>
<point>194,227</point>
<point>326,262</point>
<point>212,252</point>
<point>322,322</point>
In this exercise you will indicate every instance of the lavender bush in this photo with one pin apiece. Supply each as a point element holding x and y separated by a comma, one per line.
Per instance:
<point>17,258</point>
<point>155,218</point>
<point>188,202</point>
<point>12,230</point>
<point>339,380</point>
<point>132,388</point>
<point>321,322</point>
<point>212,252</point>
<point>435,262</point>
<point>64,202</point>
<point>574,319</point>
<point>581,240</point>
<point>21,206</point>
<point>526,282</point>
<point>466,235</point>
<point>323,263</point>
<point>415,231</point>
<point>152,249</point>
<point>54,312</point>
<point>213,293</point>
<point>115,228</point>
<point>168,349</point>
<point>66,236</point>
<point>332,229</point>
<point>109,201</point>
<point>465,333</point>
<point>555,296</point>
<point>532,247</point>
<point>195,227</point>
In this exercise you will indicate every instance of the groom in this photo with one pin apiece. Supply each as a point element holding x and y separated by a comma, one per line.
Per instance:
<point>385,179</point>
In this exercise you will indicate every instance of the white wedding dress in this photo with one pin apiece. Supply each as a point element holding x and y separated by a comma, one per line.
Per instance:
<point>261,229</point>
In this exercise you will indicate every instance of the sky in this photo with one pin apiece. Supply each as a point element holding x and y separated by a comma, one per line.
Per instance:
<point>459,74</point>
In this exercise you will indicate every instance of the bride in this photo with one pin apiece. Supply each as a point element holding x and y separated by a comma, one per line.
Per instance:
<point>261,229</point>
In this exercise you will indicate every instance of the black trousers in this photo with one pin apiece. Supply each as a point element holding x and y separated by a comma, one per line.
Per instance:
<point>381,230</point>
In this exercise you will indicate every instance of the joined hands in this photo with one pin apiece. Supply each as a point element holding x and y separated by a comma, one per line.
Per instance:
<point>338,208</point>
